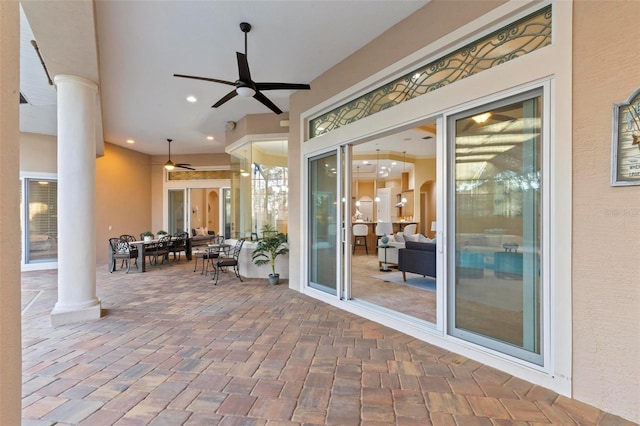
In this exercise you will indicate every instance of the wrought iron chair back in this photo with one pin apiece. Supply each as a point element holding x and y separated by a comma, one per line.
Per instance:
<point>120,249</point>
<point>231,261</point>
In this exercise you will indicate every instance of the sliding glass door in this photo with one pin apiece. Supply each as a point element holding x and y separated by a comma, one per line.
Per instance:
<point>176,213</point>
<point>495,219</point>
<point>324,223</point>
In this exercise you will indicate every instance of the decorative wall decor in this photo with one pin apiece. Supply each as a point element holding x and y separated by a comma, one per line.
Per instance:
<point>625,152</point>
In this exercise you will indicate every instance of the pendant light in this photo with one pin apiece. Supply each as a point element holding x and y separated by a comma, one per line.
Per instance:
<point>377,199</point>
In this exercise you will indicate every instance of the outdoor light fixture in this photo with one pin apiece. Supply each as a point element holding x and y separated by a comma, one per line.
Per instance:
<point>245,91</point>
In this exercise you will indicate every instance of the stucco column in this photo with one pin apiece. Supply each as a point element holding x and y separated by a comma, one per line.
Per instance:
<point>77,299</point>
<point>10,360</point>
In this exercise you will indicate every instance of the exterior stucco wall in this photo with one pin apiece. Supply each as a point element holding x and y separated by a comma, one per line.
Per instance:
<point>123,196</point>
<point>38,153</point>
<point>10,342</point>
<point>606,219</point>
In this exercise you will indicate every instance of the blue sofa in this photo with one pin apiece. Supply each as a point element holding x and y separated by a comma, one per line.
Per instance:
<point>417,258</point>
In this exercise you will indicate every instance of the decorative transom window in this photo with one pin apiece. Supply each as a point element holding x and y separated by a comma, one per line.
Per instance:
<point>524,36</point>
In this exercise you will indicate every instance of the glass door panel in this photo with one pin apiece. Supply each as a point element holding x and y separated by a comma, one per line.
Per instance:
<point>323,222</point>
<point>496,177</point>
<point>176,214</point>
<point>41,231</point>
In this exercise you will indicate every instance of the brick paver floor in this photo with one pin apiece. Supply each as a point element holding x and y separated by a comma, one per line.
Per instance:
<point>173,349</point>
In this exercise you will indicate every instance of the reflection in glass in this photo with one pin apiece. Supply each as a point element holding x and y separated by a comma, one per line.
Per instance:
<point>176,211</point>
<point>497,224</point>
<point>323,223</point>
<point>42,220</point>
<point>260,186</point>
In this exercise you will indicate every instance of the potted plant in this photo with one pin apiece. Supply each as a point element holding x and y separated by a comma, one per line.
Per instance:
<point>161,233</point>
<point>147,235</point>
<point>266,252</point>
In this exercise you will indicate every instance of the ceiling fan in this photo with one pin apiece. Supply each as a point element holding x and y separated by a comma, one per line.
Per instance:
<point>245,86</point>
<point>170,165</point>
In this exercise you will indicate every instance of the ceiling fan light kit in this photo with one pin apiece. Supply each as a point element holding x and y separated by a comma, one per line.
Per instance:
<point>245,86</point>
<point>170,165</point>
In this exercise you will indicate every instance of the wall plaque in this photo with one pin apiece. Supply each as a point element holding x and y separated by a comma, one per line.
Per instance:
<point>625,165</point>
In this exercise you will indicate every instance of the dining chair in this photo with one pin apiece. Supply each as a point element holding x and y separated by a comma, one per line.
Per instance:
<point>134,250</point>
<point>120,249</point>
<point>162,249</point>
<point>232,261</point>
<point>178,244</point>
<point>360,232</point>
<point>215,250</point>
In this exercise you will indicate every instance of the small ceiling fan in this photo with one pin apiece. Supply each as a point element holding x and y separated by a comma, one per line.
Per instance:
<point>245,86</point>
<point>170,165</point>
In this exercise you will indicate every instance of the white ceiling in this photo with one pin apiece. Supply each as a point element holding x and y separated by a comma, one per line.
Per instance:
<point>141,44</point>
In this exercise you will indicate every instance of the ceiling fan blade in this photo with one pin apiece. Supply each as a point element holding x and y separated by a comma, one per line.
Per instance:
<point>185,166</point>
<point>214,80</point>
<point>232,94</point>
<point>282,86</point>
<point>264,100</point>
<point>243,67</point>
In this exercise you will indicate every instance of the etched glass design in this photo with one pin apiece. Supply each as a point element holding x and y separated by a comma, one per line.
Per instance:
<point>517,39</point>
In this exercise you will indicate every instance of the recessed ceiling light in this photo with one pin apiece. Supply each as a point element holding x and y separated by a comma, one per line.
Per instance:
<point>210,138</point>
<point>191,98</point>
<point>130,141</point>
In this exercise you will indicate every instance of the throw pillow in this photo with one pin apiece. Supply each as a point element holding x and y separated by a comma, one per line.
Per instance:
<point>399,237</point>
<point>411,237</point>
<point>200,232</point>
<point>423,239</point>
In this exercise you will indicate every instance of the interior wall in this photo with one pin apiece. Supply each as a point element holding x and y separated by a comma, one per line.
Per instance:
<point>424,170</point>
<point>123,196</point>
<point>198,213</point>
<point>213,211</point>
<point>606,219</point>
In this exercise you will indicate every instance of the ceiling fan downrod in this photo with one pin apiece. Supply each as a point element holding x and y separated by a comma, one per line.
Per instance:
<point>245,27</point>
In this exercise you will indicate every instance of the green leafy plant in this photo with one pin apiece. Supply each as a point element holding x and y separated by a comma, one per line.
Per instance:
<point>160,232</point>
<point>147,234</point>
<point>268,249</point>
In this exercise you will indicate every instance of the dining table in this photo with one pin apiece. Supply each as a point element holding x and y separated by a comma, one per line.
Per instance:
<point>141,246</point>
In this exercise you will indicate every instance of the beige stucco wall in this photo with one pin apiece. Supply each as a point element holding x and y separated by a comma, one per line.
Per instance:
<point>257,124</point>
<point>123,196</point>
<point>606,219</point>
<point>38,153</point>
<point>10,383</point>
